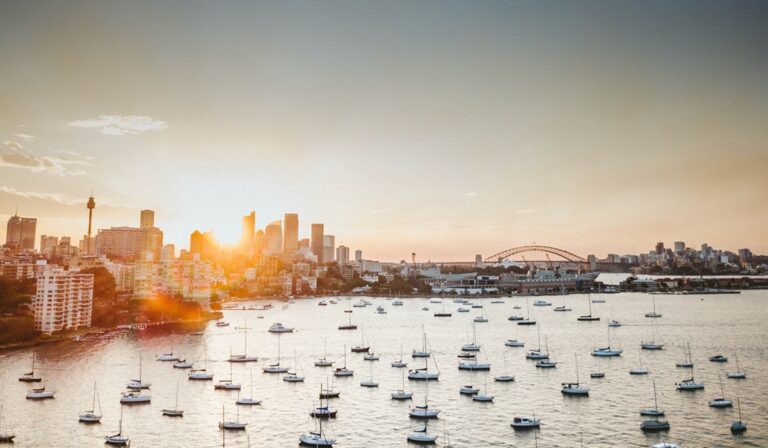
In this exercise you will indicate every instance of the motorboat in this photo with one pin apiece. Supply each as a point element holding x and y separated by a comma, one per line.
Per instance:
<point>541,303</point>
<point>654,425</point>
<point>371,357</point>
<point>597,375</point>
<point>397,303</point>
<point>514,343</point>
<point>277,327</point>
<point>475,366</point>
<point>504,378</point>
<point>461,309</point>
<point>718,358</point>
<point>562,308</point>
<point>182,364</point>
<point>134,398</point>
<point>520,422</point>
<point>614,323</point>
<point>666,445</point>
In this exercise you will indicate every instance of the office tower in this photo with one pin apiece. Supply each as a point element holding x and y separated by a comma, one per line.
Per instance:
<point>304,243</point>
<point>168,253</point>
<point>273,238</point>
<point>196,243</point>
<point>342,255</point>
<point>478,261</point>
<point>90,244</point>
<point>249,230</point>
<point>679,247</point>
<point>20,232</point>
<point>147,219</point>
<point>258,242</point>
<point>129,243</point>
<point>317,242</point>
<point>659,248</point>
<point>358,255</point>
<point>329,247</point>
<point>48,245</point>
<point>291,233</point>
<point>64,299</point>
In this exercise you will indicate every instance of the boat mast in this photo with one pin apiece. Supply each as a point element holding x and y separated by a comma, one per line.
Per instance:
<point>655,402</point>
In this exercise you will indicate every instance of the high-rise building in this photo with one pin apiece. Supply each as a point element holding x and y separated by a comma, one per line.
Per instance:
<point>258,242</point>
<point>129,243</point>
<point>291,233</point>
<point>147,219</point>
<point>478,261</point>
<point>249,230</point>
<point>64,299</point>
<point>48,245</point>
<point>196,243</point>
<point>168,252</point>
<point>358,255</point>
<point>273,238</point>
<point>317,242</point>
<point>659,248</point>
<point>329,248</point>
<point>304,243</point>
<point>20,233</point>
<point>342,255</point>
<point>679,247</point>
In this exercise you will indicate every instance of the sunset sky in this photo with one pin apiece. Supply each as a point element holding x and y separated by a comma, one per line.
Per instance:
<point>443,128</point>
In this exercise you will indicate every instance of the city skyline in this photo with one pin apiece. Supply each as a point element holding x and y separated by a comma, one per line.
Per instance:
<point>593,127</point>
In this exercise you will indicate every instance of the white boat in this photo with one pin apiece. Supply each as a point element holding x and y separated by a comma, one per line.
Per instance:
<point>227,383</point>
<point>244,357</point>
<point>521,422</point>
<point>537,353</point>
<point>371,357</point>
<point>614,323</point>
<point>607,351</point>
<point>175,412</point>
<point>402,394</point>
<point>562,308</point>
<point>166,357</point>
<point>689,384</point>
<point>666,445</point>
<point>506,377</point>
<point>277,327</point>
<point>91,416</point>
<point>249,401</point>
<point>397,303</point>
<point>5,437</point>
<point>472,346</point>
<point>461,309</point>
<point>541,302</point>
<point>424,411</point>
<point>654,411</point>
<point>424,374</point>
<point>182,364</point>
<point>514,343</point>
<point>344,371</point>
<point>400,363</point>
<point>118,439</point>
<point>721,401</point>
<point>423,353</point>
<point>475,366</point>
<point>481,318</point>
<point>201,374</point>
<point>639,370</point>
<point>738,426</point>
<point>294,377</point>
<point>369,382</point>
<point>738,374</point>
<point>653,314</point>
<point>316,439</point>
<point>236,424</point>
<point>469,389</point>
<point>652,345</point>
<point>30,377</point>
<point>687,363</point>
<point>575,388</point>
<point>322,303</point>
<point>546,363</point>
<point>421,436</point>
<point>138,384</point>
<point>40,393</point>
<point>718,358</point>
<point>276,368</point>
<point>134,398</point>
<point>324,361</point>
<point>484,397</point>
<point>588,317</point>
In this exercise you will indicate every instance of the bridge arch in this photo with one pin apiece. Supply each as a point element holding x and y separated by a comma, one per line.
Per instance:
<point>535,248</point>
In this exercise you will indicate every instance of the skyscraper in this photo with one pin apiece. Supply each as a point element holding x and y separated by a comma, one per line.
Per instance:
<point>342,255</point>
<point>316,242</point>
<point>329,248</point>
<point>249,230</point>
<point>147,219</point>
<point>358,255</point>
<point>273,238</point>
<point>196,243</point>
<point>20,232</point>
<point>291,233</point>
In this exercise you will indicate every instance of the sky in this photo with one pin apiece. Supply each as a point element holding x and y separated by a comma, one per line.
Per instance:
<point>444,128</point>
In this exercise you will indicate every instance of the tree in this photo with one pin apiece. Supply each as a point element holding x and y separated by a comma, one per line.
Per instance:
<point>104,286</point>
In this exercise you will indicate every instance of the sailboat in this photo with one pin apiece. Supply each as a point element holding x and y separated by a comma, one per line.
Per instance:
<point>324,362</point>
<point>250,401</point>
<point>653,313</point>
<point>689,384</point>
<point>562,307</point>
<point>421,436</point>
<point>294,377</point>
<point>323,411</point>
<point>474,365</point>
<point>401,394</point>
<point>654,411</point>
<point>344,371</point>
<point>424,374</point>
<point>40,393</point>
<point>5,436</point>
<point>118,439</point>
<point>738,374</point>
<point>316,438</point>
<point>362,348</point>
<point>91,416</point>
<point>547,362</point>
<point>484,397</point>
<point>349,325</point>
<point>721,402</point>
<point>473,346</point>
<point>738,426</point>
<point>227,384</point>
<point>400,363</point>
<point>175,412</point>
<point>607,351</point>
<point>688,362</point>
<point>424,411</point>
<point>481,318</point>
<point>423,353</point>
<point>138,384</point>
<point>575,388</point>
<point>30,377</point>
<point>640,370</point>
<point>201,374</point>
<point>443,313</point>
<point>244,357</point>
<point>232,424</point>
<point>506,378</point>
<point>537,353</point>
<point>182,363</point>
<point>276,368</point>
<point>527,320</point>
<point>588,317</point>
<point>166,357</point>
<point>652,345</point>
<point>369,382</point>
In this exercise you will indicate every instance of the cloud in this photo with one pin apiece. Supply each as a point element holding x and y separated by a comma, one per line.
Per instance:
<point>14,155</point>
<point>470,194</point>
<point>121,125</point>
<point>55,197</point>
<point>527,211</point>
<point>26,137</point>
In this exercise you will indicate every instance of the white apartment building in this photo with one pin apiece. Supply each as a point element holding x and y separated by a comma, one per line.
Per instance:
<point>64,299</point>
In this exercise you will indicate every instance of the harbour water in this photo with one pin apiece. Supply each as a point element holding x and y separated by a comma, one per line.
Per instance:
<point>712,324</point>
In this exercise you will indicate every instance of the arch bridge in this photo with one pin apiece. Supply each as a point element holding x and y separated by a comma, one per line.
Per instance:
<point>569,256</point>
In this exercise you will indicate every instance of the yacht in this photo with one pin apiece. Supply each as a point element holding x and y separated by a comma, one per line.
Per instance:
<point>249,401</point>
<point>397,303</point>
<point>39,393</point>
<point>461,309</point>
<point>323,411</point>
<point>277,327</point>
<point>514,343</point>
<point>475,366</point>
<point>421,436</point>
<point>222,323</point>
<point>607,351</point>
<point>689,384</point>
<point>653,314</point>
<point>316,439</point>
<point>118,439</point>
<point>520,422</point>
<point>30,377</point>
<point>182,364</point>
<point>244,357</point>
<point>371,357</point>
<point>721,402</point>
<point>401,394</point>
<point>588,317</point>
<point>575,388</point>
<point>469,390</point>
<point>654,411</point>
<point>738,426</point>
<point>165,357</point>
<point>738,374</point>
<point>614,323</point>
<point>324,362</point>
<point>541,302</point>
<point>400,363</point>
<point>134,398</point>
<point>276,368</point>
<point>688,362</point>
<point>344,371</point>
<point>91,416</point>
<point>639,370</point>
<point>175,412</point>
<point>718,358</point>
<point>322,303</point>
<point>232,424</point>
<point>484,397</point>
<point>562,308</point>
<point>138,384</point>
<point>369,382</point>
